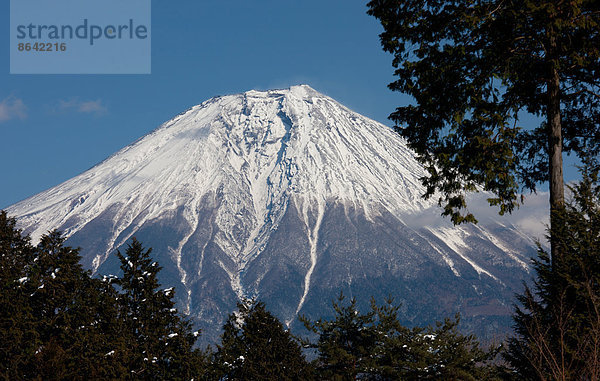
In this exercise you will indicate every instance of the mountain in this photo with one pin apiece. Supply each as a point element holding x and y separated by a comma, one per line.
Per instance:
<point>291,197</point>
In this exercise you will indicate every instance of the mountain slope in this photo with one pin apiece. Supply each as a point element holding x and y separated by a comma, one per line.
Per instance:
<point>289,196</point>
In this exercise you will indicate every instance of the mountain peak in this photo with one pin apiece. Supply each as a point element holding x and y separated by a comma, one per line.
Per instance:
<point>261,193</point>
<point>262,149</point>
<point>304,90</point>
<point>299,91</point>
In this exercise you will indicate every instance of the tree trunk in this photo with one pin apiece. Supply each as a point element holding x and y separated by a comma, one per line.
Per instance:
<point>557,192</point>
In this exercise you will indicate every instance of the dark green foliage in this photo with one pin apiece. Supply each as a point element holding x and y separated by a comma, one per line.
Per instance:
<point>347,344</point>
<point>474,68</point>
<point>158,341</point>
<point>443,353</point>
<point>255,346</point>
<point>18,337</point>
<point>57,322</point>
<point>67,305</point>
<point>557,325</point>
<point>52,314</point>
<point>376,346</point>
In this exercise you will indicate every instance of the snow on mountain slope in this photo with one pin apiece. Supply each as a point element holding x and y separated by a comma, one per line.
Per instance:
<point>228,174</point>
<point>261,147</point>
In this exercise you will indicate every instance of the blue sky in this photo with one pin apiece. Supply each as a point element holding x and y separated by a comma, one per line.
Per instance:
<point>54,127</point>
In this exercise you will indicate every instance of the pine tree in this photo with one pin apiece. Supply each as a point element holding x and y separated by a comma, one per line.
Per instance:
<point>59,299</point>
<point>74,315</point>
<point>18,337</point>
<point>159,341</point>
<point>557,324</point>
<point>57,322</point>
<point>443,353</point>
<point>375,346</point>
<point>255,346</point>
<point>437,352</point>
<point>346,343</point>
<point>474,67</point>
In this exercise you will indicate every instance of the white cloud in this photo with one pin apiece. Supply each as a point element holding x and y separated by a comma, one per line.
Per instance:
<point>532,217</point>
<point>95,107</point>
<point>11,108</point>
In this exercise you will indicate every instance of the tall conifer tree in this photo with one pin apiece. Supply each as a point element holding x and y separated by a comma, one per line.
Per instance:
<point>18,336</point>
<point>558,320</point>
<point>255,346</point>
<point>159,341</point>
<point>474,68</point>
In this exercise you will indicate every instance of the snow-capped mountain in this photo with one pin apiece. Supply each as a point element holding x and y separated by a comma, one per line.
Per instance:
<point>288,196</point>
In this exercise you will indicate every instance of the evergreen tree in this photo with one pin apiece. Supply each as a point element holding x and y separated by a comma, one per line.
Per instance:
<point>474,67</point>
<point>443,353</point>
<point>74,315</point>
<point>376,346</point>
<point>557,325</point>
<point>57,322</point>
<point>159,342</point>
<point>346,344</point>
<point>18,337</point>
<point>55,317</point>
<point>428,353</point>
<point>64,300</point>
<point>255,346</point>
